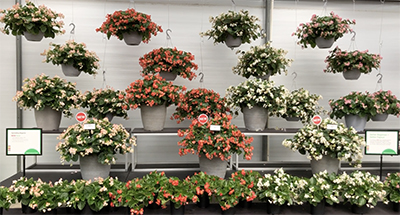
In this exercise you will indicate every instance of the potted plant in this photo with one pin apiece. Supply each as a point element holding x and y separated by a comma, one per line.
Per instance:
<point>153,95</point>
<point>153,182</point>
<point>226,193</point>
<point>257,99</point>
<point>322,31</point>
<point>73,57</point>
<point>247,181</point>
<point>327,143</point>
<point>351,63</point>
<point>24,189</point>
<point>105,103</point>
<point>198,101</point>
<point>169,63</point>
<point>385,103</point>
<point>94,142</point>
<point>277,190</point>
<point>234,28</point>
<point>261,61</point>
<point>392,188</point>
<point>6,198</point>
<point>361,189</point>
<point>130,25</point>
<point>356,107</point>
<point>49,97</point>
<point>201,182</point>
<point>301,105</point>
<point>136,195</point>
<point>32,21</point>
<point>214,146</point>
<point>77,195</point>
<point>49,199</point>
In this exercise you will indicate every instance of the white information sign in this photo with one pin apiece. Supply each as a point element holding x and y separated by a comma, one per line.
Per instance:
<point>382,142</point>
<point>24,141</point>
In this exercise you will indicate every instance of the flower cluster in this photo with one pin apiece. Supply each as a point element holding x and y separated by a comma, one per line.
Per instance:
<point>6,199</point>
<point>247,179</point>
<point>386,102</point>
<point>199,101</point>
<point>127,21</point>
<point>42,91</point>
<point>222,144</point>
<point>177,192</point>
<point>25,189</point>
<point>201,183</point>
<point>74,54</point>
<point>152,90</point>
<point>361,188</point>
<point>278,188</point>
<point>356,103</point>
<point>32,19</point>
<point>104,140</point>
<point>169,60</point>
<point>261,60</point>
<point>392,186</point>
<point>327,27</point>
<point>105,101</point>
<point>237,24</point>
<point>227,192</point>
<point>258,92</point>
<point>317,140</point>
<point>342,61</point>
<point>300,103</point>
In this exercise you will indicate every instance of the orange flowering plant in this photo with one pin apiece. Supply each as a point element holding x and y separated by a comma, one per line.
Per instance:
<point>135,195</point>
<point>226,192</point>
<point>169,60</point>
<point>177,192</point>
<point>199,101</point>
<point>127,21</point>
<point>228,140</point>
<point>201,182</point>
<point>152,90</point>
<point>247,181</point>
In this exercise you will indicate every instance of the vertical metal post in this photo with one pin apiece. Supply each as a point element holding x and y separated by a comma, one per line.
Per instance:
<point>269,6</point>
<point>18,67</point>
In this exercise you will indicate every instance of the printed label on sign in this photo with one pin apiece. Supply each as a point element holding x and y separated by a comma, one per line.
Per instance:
<point>215,128</point>
<point>203,118</point>
<point>80,117</point>
<point>316,120</point>
<point>331,127</point>
<point>89,126</point>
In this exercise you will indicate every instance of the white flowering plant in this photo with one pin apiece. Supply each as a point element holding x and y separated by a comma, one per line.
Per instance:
<point>278,188</point>
<point>361,188</point>
<point>300,103</point>
<point>318,140</point>
<point>32,19</point>
<point>75,54</point>
<point>105,140</point>
<point>237,24</point>
<point>319,189</point>
<point>261,60</point>
<point>105,101</point>
<point>42,91</point>
<point>257,92</point>
<point>50,197</point>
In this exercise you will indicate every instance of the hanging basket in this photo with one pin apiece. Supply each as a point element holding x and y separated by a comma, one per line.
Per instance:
<point>232,42</point>
<point>380,117</point>
<point>132,38</point>
<point>91,168</point>
<point>168,76</point>
<point>323,43</point>
<point>355,121</point>
<point>215,166</point>
<point>153,117</point>
<point>34,37</point>
<point>264,77</point>
<point>48,119</point>
<point>70,70</point>
<point>353,74</point>
<point>255,119</point>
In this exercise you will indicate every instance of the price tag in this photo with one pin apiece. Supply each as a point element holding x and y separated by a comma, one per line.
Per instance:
<point>89,126</point>
<point>331,127</point>
<point>215,128</point>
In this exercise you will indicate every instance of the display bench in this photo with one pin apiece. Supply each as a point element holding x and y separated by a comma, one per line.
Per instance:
<point>38,167</point>
<point>233,162</point>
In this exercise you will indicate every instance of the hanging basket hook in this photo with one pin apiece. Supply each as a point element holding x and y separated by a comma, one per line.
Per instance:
<point>380,77</point>
<point>73,28</point>
<point>167,32</point>
<point>202,77</point>
<point>295,75</point>
<point>354,35</point>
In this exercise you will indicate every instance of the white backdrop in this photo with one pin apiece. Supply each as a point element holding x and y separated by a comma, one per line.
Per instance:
<point>378,30</point>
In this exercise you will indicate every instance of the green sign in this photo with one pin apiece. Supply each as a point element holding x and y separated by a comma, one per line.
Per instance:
<point>24,141</point>
<point>382,142</point>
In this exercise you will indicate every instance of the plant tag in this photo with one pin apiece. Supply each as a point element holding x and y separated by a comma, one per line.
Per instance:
<point>215,128</point>
<point>331,127</point>
<point>89,126</point>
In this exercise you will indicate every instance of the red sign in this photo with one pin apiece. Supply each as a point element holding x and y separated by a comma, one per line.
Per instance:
<point>316,120</point>
<point>203,118</point>
<point>80,117</point>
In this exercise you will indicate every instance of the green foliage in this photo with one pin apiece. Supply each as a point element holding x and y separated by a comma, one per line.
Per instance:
<point>226,192</point>
<point>392,186</point>
<point>356,103</point>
